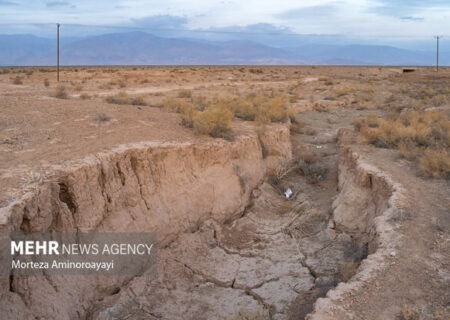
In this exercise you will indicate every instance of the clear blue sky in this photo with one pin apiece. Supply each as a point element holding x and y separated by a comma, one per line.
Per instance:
<point>355,18</point>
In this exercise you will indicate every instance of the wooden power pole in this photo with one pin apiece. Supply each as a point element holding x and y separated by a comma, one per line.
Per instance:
<point>57,53</point>
<point>437,52</point>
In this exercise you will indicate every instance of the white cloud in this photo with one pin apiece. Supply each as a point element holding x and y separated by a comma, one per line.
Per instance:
<point>348,17</point>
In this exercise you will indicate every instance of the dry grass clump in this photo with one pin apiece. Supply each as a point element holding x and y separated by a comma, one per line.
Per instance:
<point>17,80</point>
<point>320,107</point>
<point>102,117</point>
<point>175,105</point>
<point>261,108</point>
<point>46,82</point>
<point>245,109</point>
<point>124,98</point>
<point>326,80</point>
<point>435,163</point>
<point>420,136</point>
<point>61,93</point>
<point>345,91</point>
<point>273,110</point>
<point>259,71</point>
<point>214,116</point>
<point>214,121</point>
<point>185,94</point>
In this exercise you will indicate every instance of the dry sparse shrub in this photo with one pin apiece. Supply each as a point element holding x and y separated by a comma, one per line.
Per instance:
<point>124,98</point>
<point>138,101</point>
<point>120,98</point>
<point>251,70</point>
<point>200,103</point>
<point>102,117</point>
<point>85,96</point>
<point>293,98</point>
<point>439,100</point>
<point>78,88</point>
<point>17,80</point>
<point>187,116</point>
<point>435,163</point>
<point>214,121</point>
<point>185,94</point>
<point>175,104</point>
<point>273,110</point>
<point>46,82</point>
<point>61,93</point>
<point>319,107</point>
<point>423,136</point>
<point>345,91</point>
<point>278,173</point>
<point>245,109</point>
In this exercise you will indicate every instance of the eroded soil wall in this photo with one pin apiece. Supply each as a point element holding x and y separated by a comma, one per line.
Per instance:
<point>153,187</point>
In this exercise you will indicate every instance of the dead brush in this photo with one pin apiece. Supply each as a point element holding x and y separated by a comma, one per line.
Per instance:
<point>214,121</point>
<point>61,93</point>
<point>123,98</point>
<point>185,94</point>
<point>420,136</point>
<point>175,104</point>
<point>102,117</point>
<point>273,110</point>
<point>319,107</point>
<point>310,222</point>
<point>245,109</point>
<point>277,174</point>
<point>17,80</point>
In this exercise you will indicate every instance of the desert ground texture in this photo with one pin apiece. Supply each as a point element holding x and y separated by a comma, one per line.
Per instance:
<point>277,192</point>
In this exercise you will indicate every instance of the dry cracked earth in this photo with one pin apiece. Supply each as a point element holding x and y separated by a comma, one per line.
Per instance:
<point>272,262</point>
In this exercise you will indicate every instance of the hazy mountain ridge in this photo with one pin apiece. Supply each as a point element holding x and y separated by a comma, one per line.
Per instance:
<point>139,48</point>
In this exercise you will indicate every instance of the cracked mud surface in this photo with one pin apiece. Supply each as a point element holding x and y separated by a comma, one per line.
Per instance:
<point>272,262</point>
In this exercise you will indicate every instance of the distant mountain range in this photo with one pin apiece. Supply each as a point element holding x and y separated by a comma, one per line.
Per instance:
<point>140,48</point>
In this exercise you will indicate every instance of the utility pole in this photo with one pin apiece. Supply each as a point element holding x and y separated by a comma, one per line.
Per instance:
<point>57,61</point>
<point>437,52</point>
